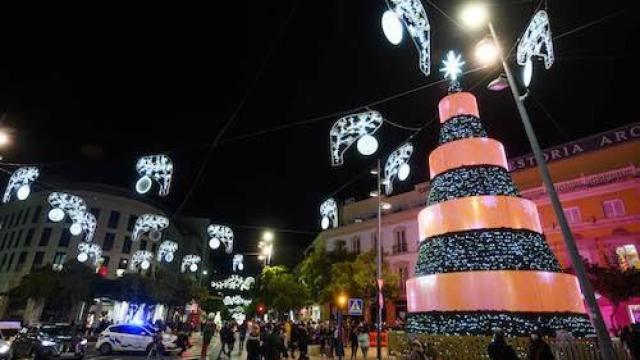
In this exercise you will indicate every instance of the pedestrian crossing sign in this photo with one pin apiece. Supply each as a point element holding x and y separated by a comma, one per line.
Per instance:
<point>355,306</point>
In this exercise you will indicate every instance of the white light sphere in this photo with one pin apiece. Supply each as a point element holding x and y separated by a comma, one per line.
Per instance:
<point>168,258</point>
<point>4,137</point>
<point>82,257</point>
<point>486,52</point>
<point>367,145</point>
<point>143,185</point>
<point>474,16</point>
<point>23,192</point>
<point>56,215</point>
<point>392,27</point>
<point>145,264</point>
<point>155,235</point>
<point>324,223</point>
<point>75,229</point>
<point>527,72</point>
<point>193,267</point>
<point>403,172</point>
<point>214,243</point>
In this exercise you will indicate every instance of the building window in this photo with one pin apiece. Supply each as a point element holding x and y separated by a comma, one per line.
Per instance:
<point>143,244</point>
<point>114,218</point>
<point>26,216</point>
<point>37,260</point>
<point>105,261</point>
<point>107,244</point>
<point>573,215</point>
<point>122,267</point>
<point>403,275</point>
<point>355,244</point>
<point>132,222</point>
<point>44,238</point>
<point>11,220</point>
<point>29,237</point>
<point>18,239</point>
<point>21,259</point>
<point>4,261</point>
<point>613,208</point>
<point>36,215</point>
<point>374,241</point>
<point>58,261</point>
<point>65,238</point>
<point>19,218</point>
<point>628,257</point>
<point>13,236</point>
<point>10,261</point>
<point>126,246</point>
<point>400,245</point>
<point>4,240</point>
<point>340,245</point>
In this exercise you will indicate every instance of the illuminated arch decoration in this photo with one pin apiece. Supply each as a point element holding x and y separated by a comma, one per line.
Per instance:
<point>235,300</point>
<point>234,282</point>
<point>88,251</point>
<point>190,262</point>
<point>329,214</point>
<point>415,19</point>
<point>158,168</point>
<point>220,234</point>
<point>238,262</point>
<point>166,251</point>
<point>397,166</point>
<point>536,41</point>
<point>20,183</point>
<point>141,259</point>
<point>350,129</point>
<point>75,207</point>
<point>151,224</point>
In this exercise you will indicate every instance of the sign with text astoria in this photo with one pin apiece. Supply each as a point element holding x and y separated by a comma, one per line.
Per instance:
<point>591,143</point>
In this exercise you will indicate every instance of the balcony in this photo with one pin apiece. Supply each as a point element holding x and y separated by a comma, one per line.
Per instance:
<point>402,249</point>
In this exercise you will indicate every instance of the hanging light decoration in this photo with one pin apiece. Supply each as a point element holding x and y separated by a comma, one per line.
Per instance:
<point>220,234</point>
<point>536,42</point>
<point>88,251</point>
<point>142,259</point>
<point>151,224</point>
<point>75,207</point>
<point>235,300</point>
<point>328,214</point>
<point>20,183</point>
<point>397,165</point>
<point>158,168</point>
<point>238,262</point>
<point>234,282</point>
<point>351,128</point>
<point>190,262</point>
<point>166,251</point>
<point>413,16</point>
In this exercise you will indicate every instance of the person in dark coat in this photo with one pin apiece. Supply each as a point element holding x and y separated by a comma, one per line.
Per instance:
<point>208,329</point>
<point>498,349</point>
<point>539,349</point>
<point>273,345</point>
<point>303,342</point>
<point>253,344</point>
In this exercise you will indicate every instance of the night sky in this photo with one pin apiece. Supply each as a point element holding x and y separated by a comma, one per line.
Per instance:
<point>88,90</point>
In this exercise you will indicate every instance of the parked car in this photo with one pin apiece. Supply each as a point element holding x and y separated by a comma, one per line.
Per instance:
<point>8,331</point>
<point>49,341</point>
<point>126,337</point>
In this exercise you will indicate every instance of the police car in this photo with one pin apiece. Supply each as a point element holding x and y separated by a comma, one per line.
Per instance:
<point>129,337</point>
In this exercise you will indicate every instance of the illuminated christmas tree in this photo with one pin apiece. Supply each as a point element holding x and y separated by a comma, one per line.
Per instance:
<point>483,260</point>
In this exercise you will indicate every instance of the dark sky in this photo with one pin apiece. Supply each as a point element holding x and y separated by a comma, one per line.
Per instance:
<point>91,89</point>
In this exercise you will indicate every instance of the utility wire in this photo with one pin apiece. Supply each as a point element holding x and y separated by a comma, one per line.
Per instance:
<point>594,22</point>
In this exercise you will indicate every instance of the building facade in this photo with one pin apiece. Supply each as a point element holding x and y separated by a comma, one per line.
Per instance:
<point>598,180</point>
<point>28,239</point>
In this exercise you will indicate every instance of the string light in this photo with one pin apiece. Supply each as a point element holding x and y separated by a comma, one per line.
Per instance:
<point>415,19</point>
<point>220,234</point>
<point>166,251</point>
<point>234,282</point>
<point>461,127</point>
<point>238,262</point>
<point>158,168</point>
<point>88,251</point>
<point>351,128</point>
<point>151,224</point>
<point>329,214</point>
<point>471,181</point>
<point>20,183</point>
<point>537,41</point>
<point>397,165</point>
<point>190,262</point>
<point>142,259</point>
<point>76,208</point>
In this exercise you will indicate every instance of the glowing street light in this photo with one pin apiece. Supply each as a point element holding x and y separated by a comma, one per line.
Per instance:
<point>5,138</point>
<point>342,300</point>
<point>474,16</point>
<point>487,52</point>
<point>267,235</point>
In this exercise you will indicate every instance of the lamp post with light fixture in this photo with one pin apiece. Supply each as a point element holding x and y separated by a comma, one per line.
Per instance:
<point>474,16</point>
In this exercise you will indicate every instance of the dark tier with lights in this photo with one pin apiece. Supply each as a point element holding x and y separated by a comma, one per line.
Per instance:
<point>483,260</point>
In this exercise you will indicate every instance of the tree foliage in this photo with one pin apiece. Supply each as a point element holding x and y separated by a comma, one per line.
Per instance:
<point>315,270</point>
<point>279,290</point>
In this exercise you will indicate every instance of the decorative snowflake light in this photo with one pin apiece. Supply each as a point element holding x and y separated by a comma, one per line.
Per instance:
<point>190,262</point>
<point>88,251</point>
<point>166,251</point>
<point>158,168</point>
<point>329,214</point>
<point>238,264</point>
<point>20,183</point>
<point>142,259</point>
<point>149,223</point>
<point>351,128</point>
<point>220,234</point>
<point>397,165</point>
<point>234,282</point>
<point>452,66</point>
<point>415,19</point>
<point>235,300</point>
<point>537,41</point>
<point>75,207</point>
<point>236,310</point>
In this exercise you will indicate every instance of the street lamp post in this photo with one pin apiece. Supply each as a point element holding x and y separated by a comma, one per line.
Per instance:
<point>379,264</point>
<point>476,14</point>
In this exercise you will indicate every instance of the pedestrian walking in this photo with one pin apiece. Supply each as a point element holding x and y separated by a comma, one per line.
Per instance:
<point>363,341</point>
<point>303,342</point>
<point>353,338</point>
<point>254,346</point>
<point>498,349</point>
<point>224,341</point>
<point>208,330</point>
<point>156,347</point>
<point>417,352</point>
<point>338,342</point>
<point>273,344</point>
<point>242,334</point>
<point>539,349</point>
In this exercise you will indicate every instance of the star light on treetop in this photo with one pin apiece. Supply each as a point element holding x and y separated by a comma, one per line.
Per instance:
<point>452,66</point>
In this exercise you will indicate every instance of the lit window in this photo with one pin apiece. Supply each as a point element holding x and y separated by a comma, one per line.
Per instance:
<point>355,245</point>
<point>401,241</point>
<point>628,256</point>
<point>613,208</point>
<point>58,261</point>
<point>573,215</point>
